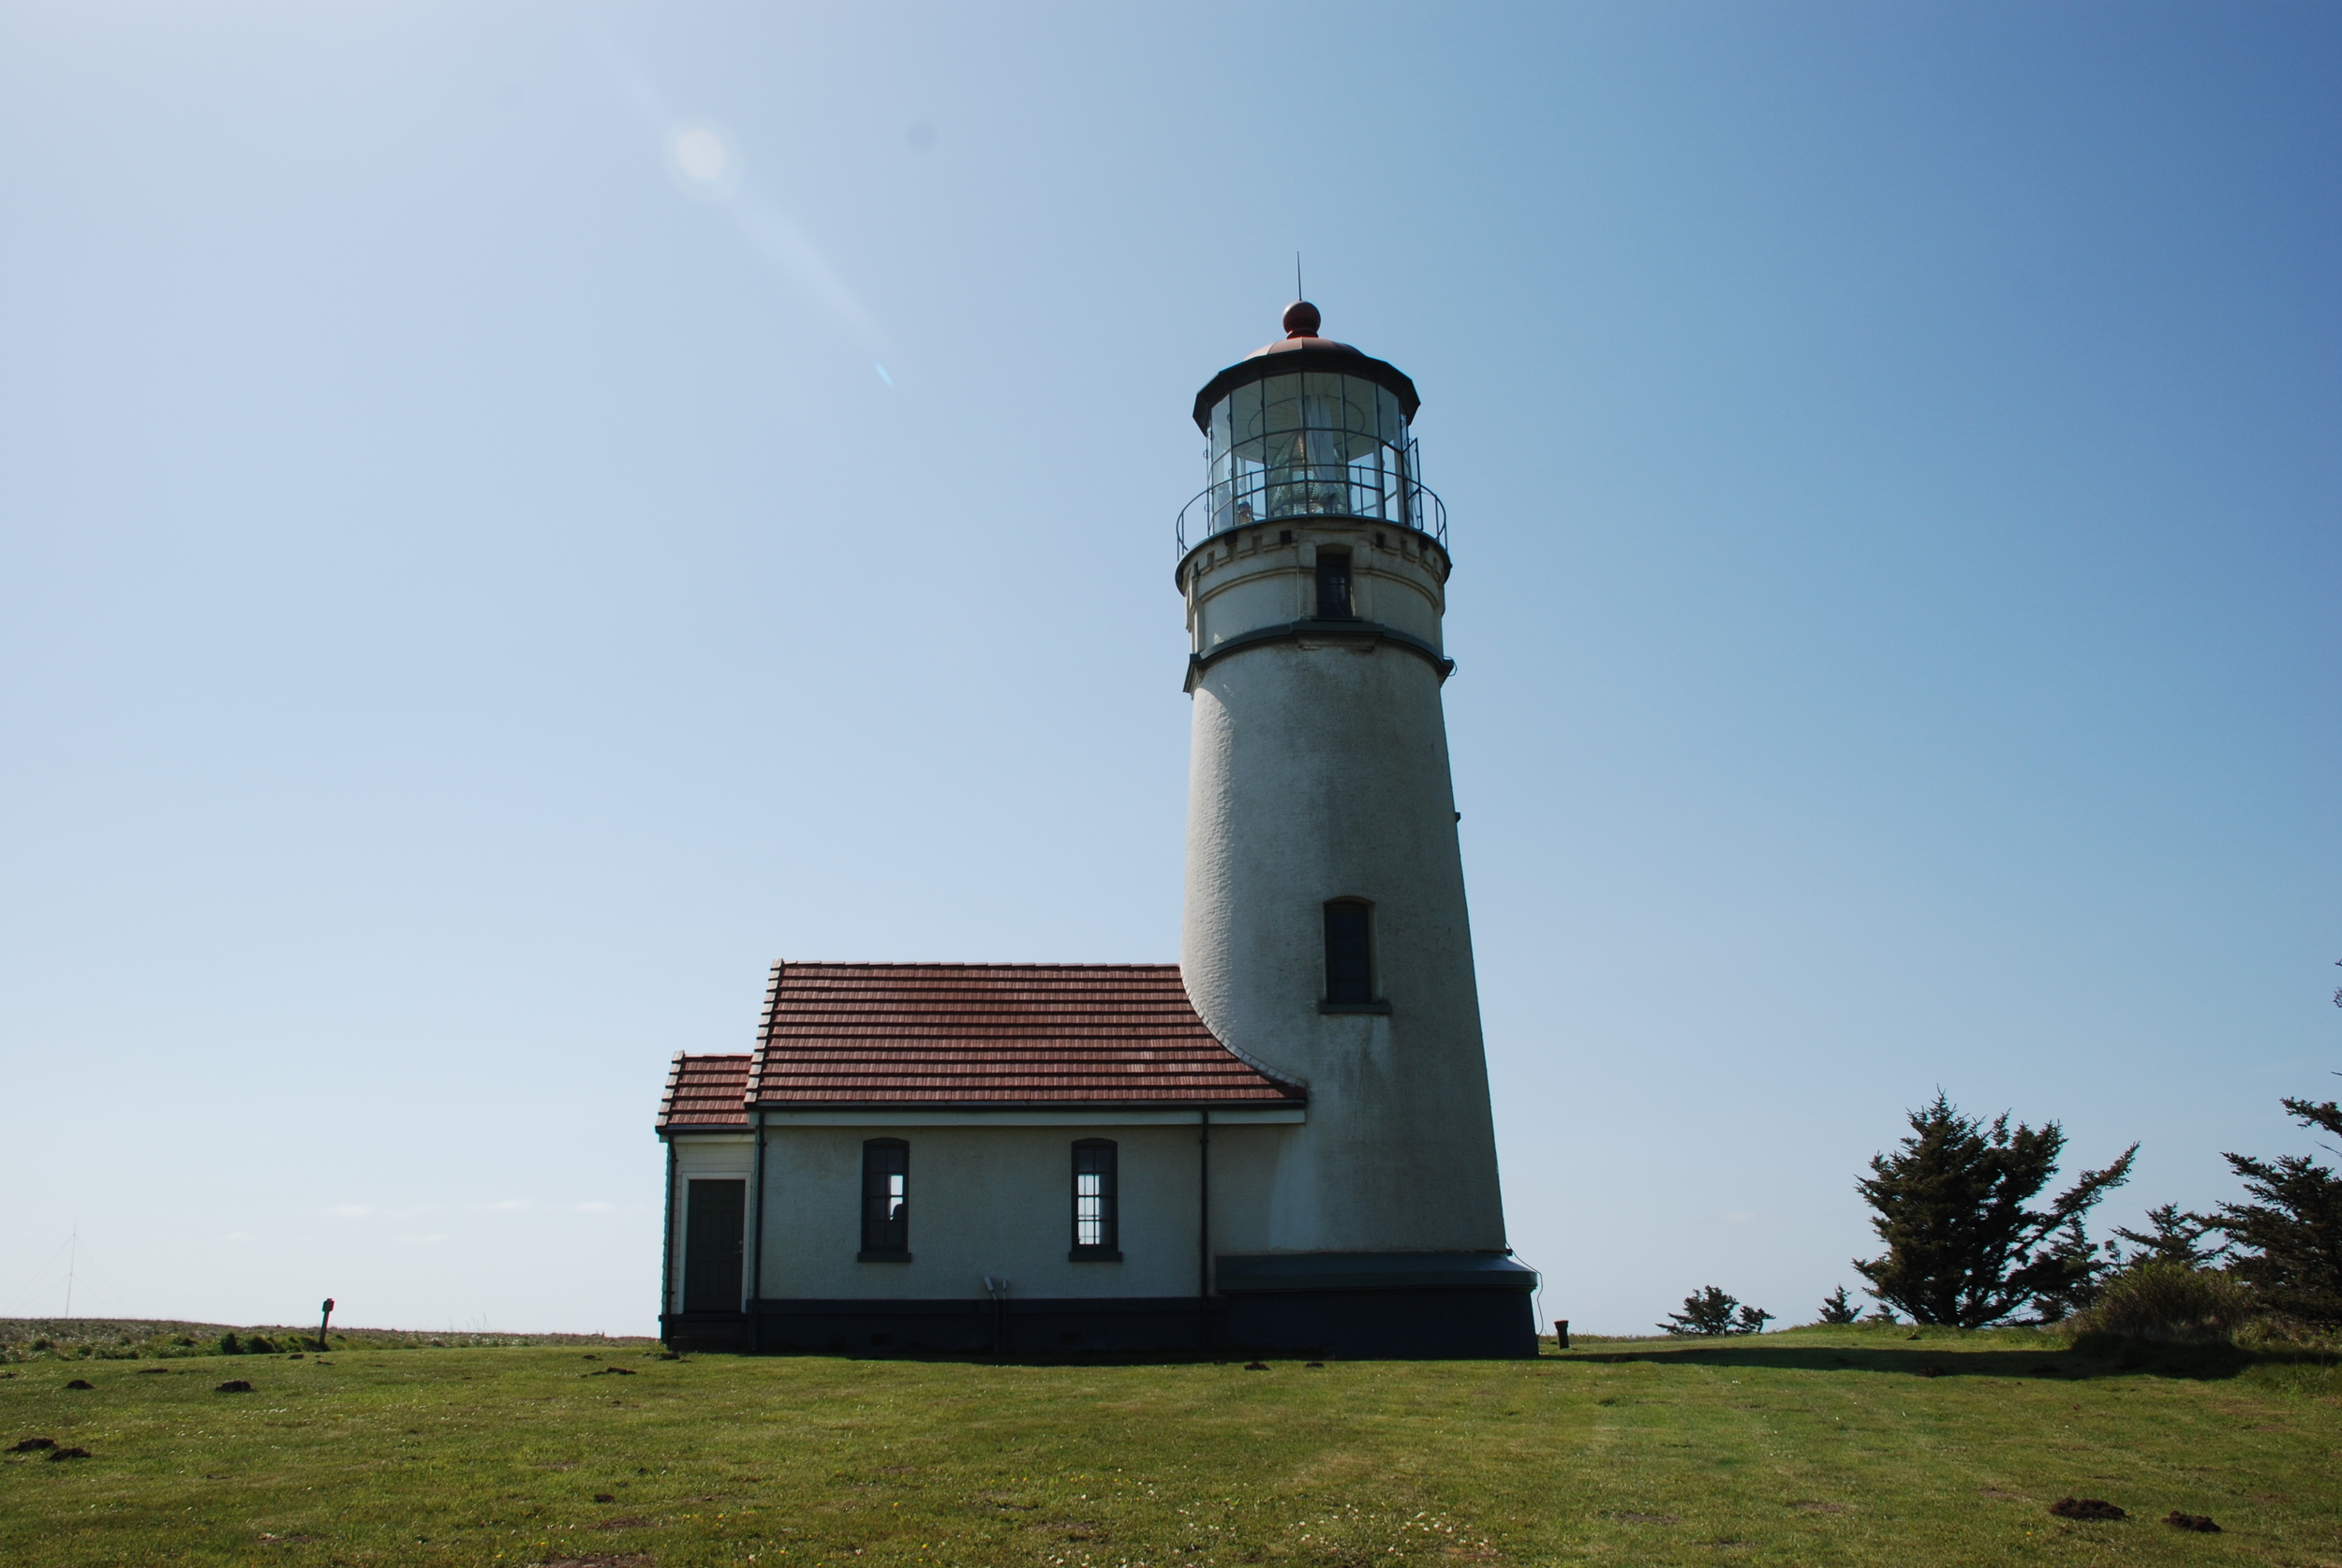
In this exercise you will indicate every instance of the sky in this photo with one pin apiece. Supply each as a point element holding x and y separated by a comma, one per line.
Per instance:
<point>514,517</point>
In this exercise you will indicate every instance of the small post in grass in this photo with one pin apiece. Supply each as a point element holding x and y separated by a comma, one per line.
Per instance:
<point>323,1321</point>
<point>1561,1334</point>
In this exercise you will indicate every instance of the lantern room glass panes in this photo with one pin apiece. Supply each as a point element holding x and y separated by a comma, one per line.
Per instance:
<point>1312,444</point>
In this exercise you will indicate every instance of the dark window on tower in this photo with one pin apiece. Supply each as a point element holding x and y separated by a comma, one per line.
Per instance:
<point>1095,1232</point>
<point>712,1235</point>
<point>1333,585</point>
<point>885,1198</point>
<point>1349,959</point>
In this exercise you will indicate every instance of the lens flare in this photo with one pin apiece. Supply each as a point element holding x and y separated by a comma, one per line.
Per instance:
<point>704,159</point>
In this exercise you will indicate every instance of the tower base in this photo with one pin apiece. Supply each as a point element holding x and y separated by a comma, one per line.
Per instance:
<point>1387,1325</point>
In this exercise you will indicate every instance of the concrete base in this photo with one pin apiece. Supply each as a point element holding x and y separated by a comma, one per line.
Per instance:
<point>1412,1325</point>
<point>1386,1325</point>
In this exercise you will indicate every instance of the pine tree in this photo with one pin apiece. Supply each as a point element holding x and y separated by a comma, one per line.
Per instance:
<point>1963,1250</point>
<point>1711,1311</point>
<point>2173,1236</point>
<point>1705,1312</point>
<point>2291,1240</point>
<point>1837,1307</point>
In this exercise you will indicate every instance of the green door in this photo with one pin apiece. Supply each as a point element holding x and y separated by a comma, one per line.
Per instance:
<point>713,1231</point>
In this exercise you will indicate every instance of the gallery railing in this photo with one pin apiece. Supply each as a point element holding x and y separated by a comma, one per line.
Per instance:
<point>1273,495</point>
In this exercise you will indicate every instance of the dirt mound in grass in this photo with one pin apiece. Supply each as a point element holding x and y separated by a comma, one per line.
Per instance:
<point>34,1446</point>
<point>80,1382</point>
<point>233,1385</point>
<point>2199,1522</point>
<point>2086,1508</point>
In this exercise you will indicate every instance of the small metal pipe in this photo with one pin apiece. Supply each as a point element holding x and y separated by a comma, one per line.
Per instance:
<point>1203,1231</point>
<point>666,1248</point>
<point>756,1244</point>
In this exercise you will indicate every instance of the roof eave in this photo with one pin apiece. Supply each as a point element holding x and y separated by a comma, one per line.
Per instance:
<point>1280,1102</point>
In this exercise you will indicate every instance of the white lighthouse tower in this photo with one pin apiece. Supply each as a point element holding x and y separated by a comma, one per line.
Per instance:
<point>1282,1144</point>
<point>1325,939</point>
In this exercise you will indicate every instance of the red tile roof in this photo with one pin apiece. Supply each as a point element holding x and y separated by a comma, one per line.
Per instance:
<point>994,1034</point>
<point>706,1092</point>
<point>943,1035</point>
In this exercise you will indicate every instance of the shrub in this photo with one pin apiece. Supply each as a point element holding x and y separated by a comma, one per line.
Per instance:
<point>228,1345</point>
<point>2161,1299</point>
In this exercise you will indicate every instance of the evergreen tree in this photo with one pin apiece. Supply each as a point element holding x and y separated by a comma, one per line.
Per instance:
<point>1963,1250</point>
<point>2173,1235</point>
<point>2068,1274</point>
<point>2290,1239</point>
<point>1838,1307</point>
<point>1705,1312</point>
<point>1711,1312</point>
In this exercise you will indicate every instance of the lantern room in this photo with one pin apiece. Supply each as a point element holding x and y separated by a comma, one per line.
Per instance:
<point>1310,428</point>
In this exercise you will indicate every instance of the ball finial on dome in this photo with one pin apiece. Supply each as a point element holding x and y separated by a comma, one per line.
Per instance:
<point>1301,319</point>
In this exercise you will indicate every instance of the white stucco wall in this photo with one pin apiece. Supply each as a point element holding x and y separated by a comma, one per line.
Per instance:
<point>1318,771</point>
<point>705,1156</point>
<point>997,1201</point>
<point>1242,580</point>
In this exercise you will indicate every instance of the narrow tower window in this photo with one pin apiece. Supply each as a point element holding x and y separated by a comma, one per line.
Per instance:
<point>1333,585</point>
<point>885,1199</point>
<point>1094,1227</point>
<point>1349,960</point>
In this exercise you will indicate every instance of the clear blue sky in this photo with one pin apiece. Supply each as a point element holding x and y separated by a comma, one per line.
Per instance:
<point>469,601</point>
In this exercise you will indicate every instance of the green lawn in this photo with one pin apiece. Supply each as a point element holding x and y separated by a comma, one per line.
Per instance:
<point>1810,1447</point>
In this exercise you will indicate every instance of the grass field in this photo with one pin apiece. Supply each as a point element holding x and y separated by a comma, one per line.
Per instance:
<point>1854,1445</point>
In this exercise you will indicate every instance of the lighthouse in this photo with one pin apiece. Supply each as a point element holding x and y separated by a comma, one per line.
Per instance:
<point>1325,939</point>
<point>1279,1143</point>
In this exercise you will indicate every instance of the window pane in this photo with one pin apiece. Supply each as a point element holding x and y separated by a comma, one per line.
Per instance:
<point>1093,1195</point>
<point>1333,587</point>
<point>885,1197</point>
<point>1280,405</point>
<point>1349,976</point>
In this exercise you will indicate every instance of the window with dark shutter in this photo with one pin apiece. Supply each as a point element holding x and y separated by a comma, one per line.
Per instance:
<point>1096,1234</point>
<point>1349,959</point>
<point>713,1231</point>
<point>1333,585</point>
<point>885,1201</point>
